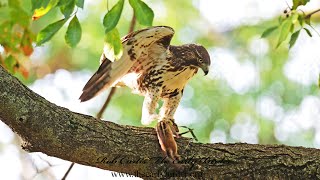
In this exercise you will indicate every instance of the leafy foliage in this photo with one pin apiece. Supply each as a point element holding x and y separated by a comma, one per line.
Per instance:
<point>67,8</point>
<point>297,3</point>
<point>47,33</point>
<point>142,11</point>
<point>113,45</point>
<point>294,38</point>
<point>15,36</point>
<point>144,15</point>
<point>111,19</point>
<point>73,34</point>
<point>267,32</point>
<point>294,19</point>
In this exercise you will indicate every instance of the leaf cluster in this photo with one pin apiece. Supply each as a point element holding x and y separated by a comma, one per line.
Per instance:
<point>291,24</point>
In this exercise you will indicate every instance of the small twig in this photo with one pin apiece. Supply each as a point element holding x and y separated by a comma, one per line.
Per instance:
<point>314,30</point>
<point>310,14</point>
<point>104,107</point>
<point>133,23</point>
<point>191,131</point>
<point>67,173</point>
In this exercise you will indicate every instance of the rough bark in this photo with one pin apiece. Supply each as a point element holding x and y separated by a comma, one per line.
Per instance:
<point>56,131</point>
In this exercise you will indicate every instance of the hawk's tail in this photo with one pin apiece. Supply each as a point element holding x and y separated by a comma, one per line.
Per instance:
<point>97,82</point>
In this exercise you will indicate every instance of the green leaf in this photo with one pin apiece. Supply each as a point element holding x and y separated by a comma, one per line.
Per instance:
<point>297,3</point>
<point>294,17</point>
<point>111,19</point>
<point>142,11</point>
<point>47,33</point>
<point>73,34</point>
<point>294,38</point>
<point>268,31</point>
<point>80,3</point>
<point>62,2</point>
<point>67,9</point>
<point>308,32</point>
<point>113,45</point>
<point>36,4</point>
<point>285,30</point>
<point>301,19</point>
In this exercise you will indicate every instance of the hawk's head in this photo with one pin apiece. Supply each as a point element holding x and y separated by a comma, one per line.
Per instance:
<point>198,56</point>
<point>202,57</point>
<point>193,55</point>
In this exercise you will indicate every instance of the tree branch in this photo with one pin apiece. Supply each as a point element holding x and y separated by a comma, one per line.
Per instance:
<point>56,131</point>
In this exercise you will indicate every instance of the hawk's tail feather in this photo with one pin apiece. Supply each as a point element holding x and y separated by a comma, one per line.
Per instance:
<point>105,77</point>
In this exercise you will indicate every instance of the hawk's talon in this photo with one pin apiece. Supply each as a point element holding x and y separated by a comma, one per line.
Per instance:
<point>173,125</point>
<point>166,132</point>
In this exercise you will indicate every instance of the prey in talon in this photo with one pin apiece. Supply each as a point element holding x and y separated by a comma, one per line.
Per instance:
<point>166,131</point>
<point>153,68</point>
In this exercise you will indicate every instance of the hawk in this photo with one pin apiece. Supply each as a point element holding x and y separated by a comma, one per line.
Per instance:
<point>153,68</point>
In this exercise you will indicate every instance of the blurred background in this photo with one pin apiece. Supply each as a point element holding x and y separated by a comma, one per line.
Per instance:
<point>254,92</point>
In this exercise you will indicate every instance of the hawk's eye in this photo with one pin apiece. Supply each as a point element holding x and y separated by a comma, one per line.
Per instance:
<point>200,60</point>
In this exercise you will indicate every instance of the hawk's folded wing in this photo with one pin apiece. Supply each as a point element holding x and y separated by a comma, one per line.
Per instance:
<point>134,44</point>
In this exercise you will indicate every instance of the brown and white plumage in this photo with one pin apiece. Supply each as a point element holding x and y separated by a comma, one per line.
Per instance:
<point>151,67</point>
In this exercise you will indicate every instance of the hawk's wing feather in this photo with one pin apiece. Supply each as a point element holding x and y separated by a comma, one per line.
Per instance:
<point>133,45</point>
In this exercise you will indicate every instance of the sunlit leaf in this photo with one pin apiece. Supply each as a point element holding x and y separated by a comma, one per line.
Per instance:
<point>142,11</point>
<point>39,12</point>
<point>294,18</point>
<point>67,9</point>
<point>308,32</point>
<point>73,34</point>
<point>111,19</point>
<point>47,33</point>
<point>113,46</point>
<point>297,3</point>
<point>284,31</point>
<point>294,38</point>
<point>80,3</point>
<point>268,31</point>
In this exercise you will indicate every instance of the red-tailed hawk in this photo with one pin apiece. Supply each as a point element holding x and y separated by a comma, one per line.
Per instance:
<point>151,67</point>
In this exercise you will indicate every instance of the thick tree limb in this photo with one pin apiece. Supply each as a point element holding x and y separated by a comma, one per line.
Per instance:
<point>56,131</point>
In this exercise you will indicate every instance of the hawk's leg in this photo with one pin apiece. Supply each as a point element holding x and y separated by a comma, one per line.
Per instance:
<point>149,107</point>
<point>168,109</point>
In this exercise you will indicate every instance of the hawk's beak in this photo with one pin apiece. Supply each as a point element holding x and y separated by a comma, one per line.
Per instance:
<point>205,69</point>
